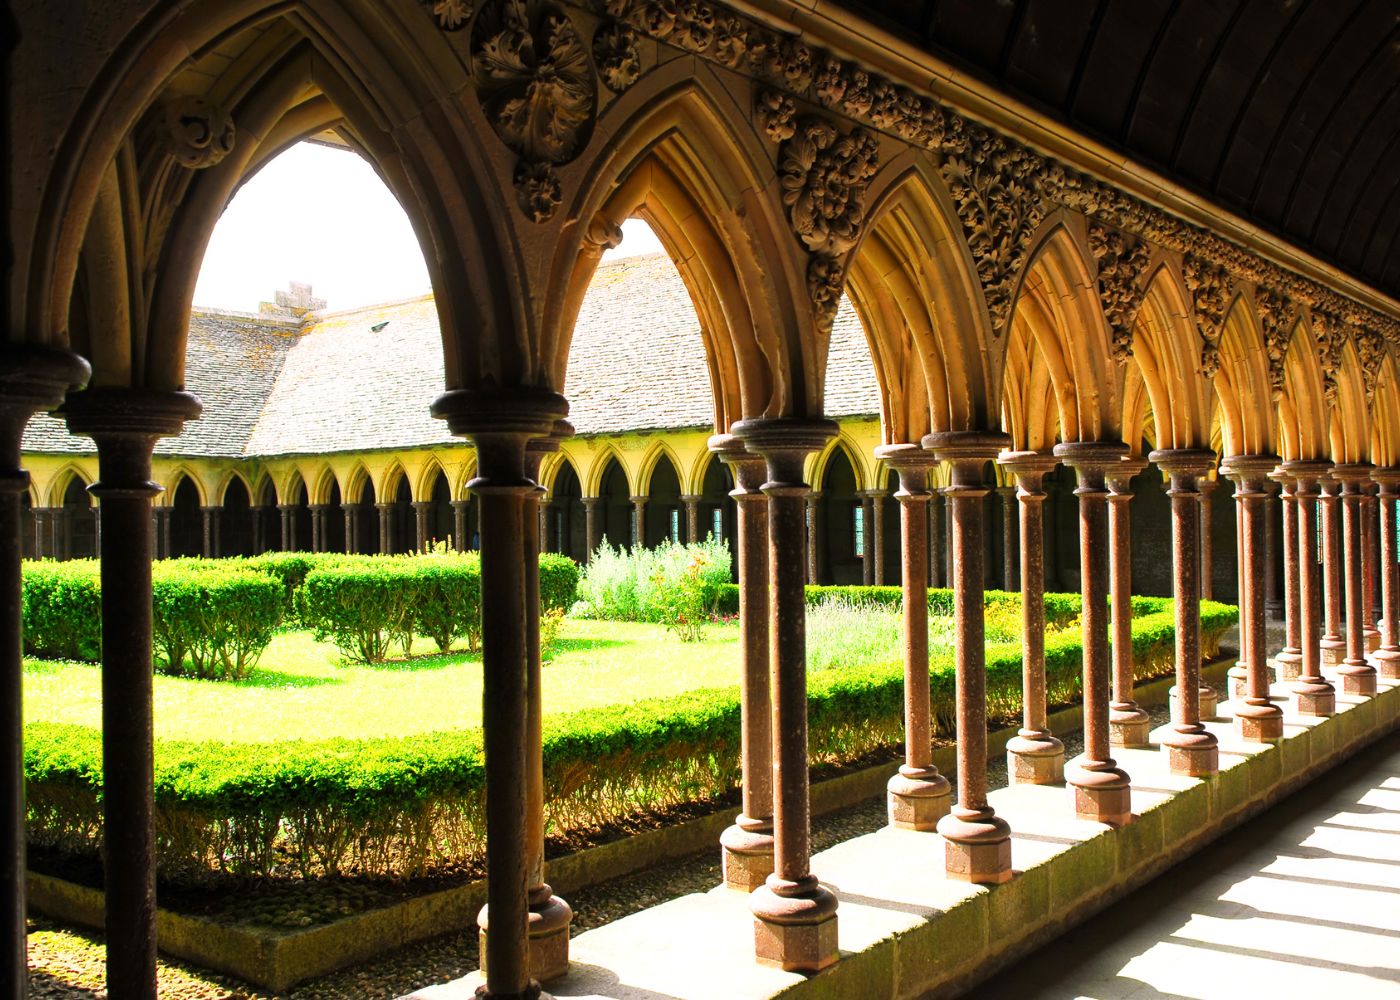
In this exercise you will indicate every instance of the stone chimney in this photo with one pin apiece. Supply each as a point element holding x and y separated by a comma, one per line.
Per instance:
<point>294,303</point>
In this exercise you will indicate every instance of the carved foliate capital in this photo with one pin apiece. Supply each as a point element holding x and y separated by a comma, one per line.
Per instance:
<point>1121,260</point>
<point>196,132</point>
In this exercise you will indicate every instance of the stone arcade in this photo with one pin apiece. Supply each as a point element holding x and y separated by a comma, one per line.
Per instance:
<point>1047,258</point>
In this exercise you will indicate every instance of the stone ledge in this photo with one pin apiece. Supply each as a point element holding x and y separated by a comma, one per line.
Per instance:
<point>906,931</point>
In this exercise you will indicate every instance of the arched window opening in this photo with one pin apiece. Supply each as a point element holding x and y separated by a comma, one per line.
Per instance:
<point>841,529</point>
<point>186,521</point>
<point>79,522</point>
<point>333,523</point>
<point>617,508</point>
<point>663,517</point>
<point>236,521</point>
<point>403,529</point>
<point>439,526</point>
<point>567,528</point>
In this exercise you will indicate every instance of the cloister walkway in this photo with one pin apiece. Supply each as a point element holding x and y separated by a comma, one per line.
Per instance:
<point>1303,901</point>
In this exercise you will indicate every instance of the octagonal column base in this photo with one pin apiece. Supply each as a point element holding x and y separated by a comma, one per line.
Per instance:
<point>1315,700</point>
<point>1334,651</point>
<point>918,798</point>
<point>1210,701</point>
<point>1288,664</point>
<point>977,847</point>
<point>1102,793</point>
<point>1388,662</point>
<point>1191,751</point>
<point>1035,759</point>
<point>797,931</point>
<point>548,935</point>
<point>1372,637</point>
<point>1358,679</point>
<point>746,853</point>
<point>1259,723</point>
<point>1238,683</point>
<point>1128,727</point>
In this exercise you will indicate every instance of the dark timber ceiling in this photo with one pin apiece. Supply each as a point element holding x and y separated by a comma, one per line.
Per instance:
<point>1286,112</point>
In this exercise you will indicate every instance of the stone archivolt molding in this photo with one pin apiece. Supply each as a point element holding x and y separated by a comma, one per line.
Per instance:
<point>1121,261</point>
<point>196,132</point>
<point>1209,285</point>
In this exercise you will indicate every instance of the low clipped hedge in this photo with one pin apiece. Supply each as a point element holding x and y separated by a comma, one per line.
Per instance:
<point>1058,607</point>
<point>413,806</point>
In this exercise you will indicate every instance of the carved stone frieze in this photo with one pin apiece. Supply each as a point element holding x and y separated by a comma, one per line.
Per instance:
<point>616,56</point>
<point>1330,336</point>
<point>196,132</point>
<point>1209,286</point>
<point>1370,348</point>
<point>1121,260</point>
<point>776,115</point>
<point>1276,320</point>
<point>452,15</point>
<point>995,188</point>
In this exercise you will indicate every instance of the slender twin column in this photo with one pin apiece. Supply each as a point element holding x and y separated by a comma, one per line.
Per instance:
<point>30,381</point>
<point>877,523</point>
<point>460,541</point>
<point>593,525</point>
<point>692,518</point>
<point>918,796</point>
<point>1368,567</point>
<point>421,511</point>
<point>351,513</point>
<point>747,845</point>
<point>1256,717</point>
<point>1313,694</point>
<point>500,423</point>
<point>1388,656</point>
<point>1008,537</point>
<point>795,916</point>
<point>1191,749</point>
<point>1033,756</point>
<point>1102,792</point>
<point>869,543</point>
<point>813,537</point>
<point>1128,724</point>
<point>211,518</point>
<point>639,522</point>
<point>1358,676</point>
<point>1288,661</point>
<point>976,840</point>
<point>125,424</point>
<point>935,540</point>
<point>287,512</point>
<point>1206,488</point>
<point>1333,644</point>
<point>386,527</point>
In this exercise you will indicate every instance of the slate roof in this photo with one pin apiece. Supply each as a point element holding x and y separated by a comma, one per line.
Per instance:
<point>331,383</point>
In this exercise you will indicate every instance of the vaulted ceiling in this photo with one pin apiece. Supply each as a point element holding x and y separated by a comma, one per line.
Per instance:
<point>1286,112</point>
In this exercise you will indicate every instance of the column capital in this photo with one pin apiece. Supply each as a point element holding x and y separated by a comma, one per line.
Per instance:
<point>1119,477</point>
<point>1309,471</point>
<point>1251,473</point>
<point>459,503</point>
<point>1194,463</point>
<point>415,504</point>
<point>962,448</point>
<point>1353,474</point>
<point>1029,467</point>
<point>113,412</point>
<point>785,442</point>
<point>36,378</point>
<point>1091,457</point>
<point>287,508</point>
<point>1388,479</point>
<point>320,506</point>
<point>874,494</point>
<point>749,471</point>
<point>639,499</point>
<point>591,501</point>
<point>912,462</point>
<point>537,448</point>
<point>215,508</point>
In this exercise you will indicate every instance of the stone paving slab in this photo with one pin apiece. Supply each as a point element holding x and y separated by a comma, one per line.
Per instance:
<point>1331,892</point>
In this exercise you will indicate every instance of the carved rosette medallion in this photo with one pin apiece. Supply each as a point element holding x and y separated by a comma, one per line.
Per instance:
<point>536,86</point>
<point>196,133</point>
<point>452,15</point>
<point>1209,286</point>
<point>1121,261</point>
<point>1276,319</point>
<point>996,190</point>
<point>824,174</point>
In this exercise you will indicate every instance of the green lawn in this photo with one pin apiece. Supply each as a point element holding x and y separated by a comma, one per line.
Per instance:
<point>303,691</point>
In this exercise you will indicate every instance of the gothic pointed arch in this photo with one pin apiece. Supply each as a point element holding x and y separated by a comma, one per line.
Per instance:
<point>660,450</point>
<point>1166,349</point>
<point>1350,427</point>
<point>1304,414</point>
<point>1385,432</point>
<point>1242,384</point>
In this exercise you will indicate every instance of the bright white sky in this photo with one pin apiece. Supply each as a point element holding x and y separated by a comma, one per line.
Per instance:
<point>323,216</point>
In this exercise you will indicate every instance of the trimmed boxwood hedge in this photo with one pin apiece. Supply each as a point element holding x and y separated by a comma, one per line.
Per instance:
<point>411,806</point>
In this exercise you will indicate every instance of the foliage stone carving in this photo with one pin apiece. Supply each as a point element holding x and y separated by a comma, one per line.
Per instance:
<point>615,53</point>
<point>1370,349</point>
<point>994,185</point>
<point>777,115</point>
<point>1209,286</point>
<point>1121,262</point>
<point>198,134</point>
<point>1330,337</point>
<point>1275,317</point>
<point>452,15</point>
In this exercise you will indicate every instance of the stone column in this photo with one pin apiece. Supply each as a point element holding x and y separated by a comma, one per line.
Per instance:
<point>1256,717</point>
<point>1370,633</point>
<point>289,526</point>
<point>977,841</point>
<point>546,515</point>
<point>1333,644</point>
<point>1206,488</point>
<point>499,423</point>
<point>813,538</point>
<point>30,380</point>
<point>1191,749</point>
<point>867,522</point>
<point>352,526</point>
<point>421,510</point>
<point>593,525</point>
<point>877,522</point>
<point>62,534</point>
<point>259,541</point>
<point>1033,756</point>
<point>1287,662</point>
<point>1128,724</point>
<point>210,517</point>
<point>692,518</point>
<point>1102,792</point>
<point>125,424</point>
<point>1358,676</point>
<point>795,916</point>
<point>1008,537</point>
<point>639,522</point>
<point>935,539</point>
<point>460,539</point>
<point>948,543</point>
<point>746,847</point>
<point>1388,655</point>
<point>1273,600</point>
<point>1313,694</point>
<point>386,527</point>
<point>1238,675</point>
<point>918,796</point>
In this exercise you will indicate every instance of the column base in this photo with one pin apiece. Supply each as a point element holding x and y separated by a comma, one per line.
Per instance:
<point>1192,751</point>
<point>1102,793</point>
<point>1237,682</point>
<point>977,846</point>
<point>1373,639</point>
<point>797,932</point>
<point>1288,664</point>
<point>1035,759</point>
<point>1259,723</point>
<point>746,852</point>
<point>1128,727</point>
<point>1316,700</point>
<point>1358,679</point>
<point>1334,651</point>
<point>1209,701</point>
<point>918,797</point>
<point>1388,662</point>
<point>548,936</point>
<point>532,992</point>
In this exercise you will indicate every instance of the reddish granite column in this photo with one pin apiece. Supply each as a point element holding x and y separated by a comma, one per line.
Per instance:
<point>867,521</point>
<point>500,423</point>
<point>935,539</point>
<point>813,538</point>
<point>1256,717</point>
<point>1313,694</point>
<point>125,424</point>
<point>1388,656</point>
<point>352,523</point>
<point>795,916</point>
<point>1206,487</point>
<point>1288,661</point>
<point>747,845</point>
<point>1033,756</point>
<point>30,380</point>
<point>1102,792</point>
<point>877,521</point>
<point>460,541</point>
<point>692,518</point>
<point>1333,644</point>
<point>1009,555</point>
<point>1191,749</point>
<point>593,525</point>
<point>421,510</point>
<point>1369,631</point>
<point>1237,677</point>
<point>209,517</point>
<point>1128,724</point>
<point>977,841</point>
<point>1358,676</point>
<point>918,796</point>
<point>639,522</point>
